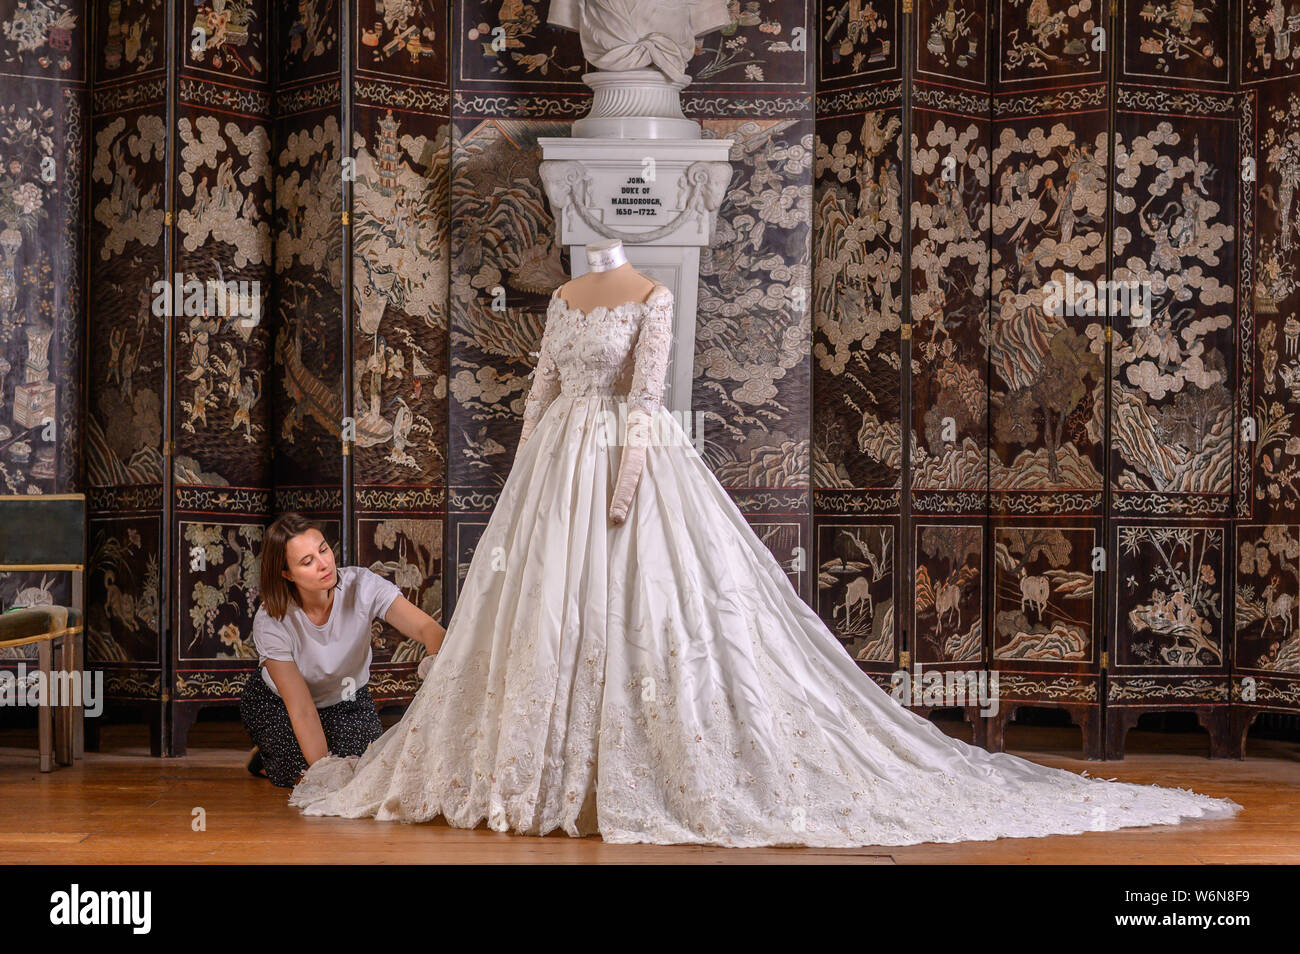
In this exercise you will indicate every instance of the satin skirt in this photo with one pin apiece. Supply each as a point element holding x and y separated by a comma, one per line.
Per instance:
<point>661,681</point>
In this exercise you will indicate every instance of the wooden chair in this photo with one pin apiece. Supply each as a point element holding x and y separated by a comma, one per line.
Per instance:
<point>47,533</point>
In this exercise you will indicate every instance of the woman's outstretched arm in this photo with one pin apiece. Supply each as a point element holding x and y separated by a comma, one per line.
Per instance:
<point>414,623</point>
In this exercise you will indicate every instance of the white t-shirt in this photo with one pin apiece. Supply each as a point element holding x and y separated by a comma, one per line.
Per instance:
<point>340,649</point>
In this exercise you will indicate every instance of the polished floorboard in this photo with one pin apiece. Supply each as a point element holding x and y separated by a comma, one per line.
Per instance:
<point>119,805</point>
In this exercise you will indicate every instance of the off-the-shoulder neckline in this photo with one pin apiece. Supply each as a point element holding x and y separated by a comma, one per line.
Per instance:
<point>654,292</point>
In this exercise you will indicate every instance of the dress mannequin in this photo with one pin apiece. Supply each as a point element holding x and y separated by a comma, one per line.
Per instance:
<point>611,282</point>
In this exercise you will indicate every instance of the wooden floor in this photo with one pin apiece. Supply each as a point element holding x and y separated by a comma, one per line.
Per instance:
<point>120,805</point>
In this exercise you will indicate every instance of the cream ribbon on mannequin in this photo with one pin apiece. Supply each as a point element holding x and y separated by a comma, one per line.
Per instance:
<point>606,255</point>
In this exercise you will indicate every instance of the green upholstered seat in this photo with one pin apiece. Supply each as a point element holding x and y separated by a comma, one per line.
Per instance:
<point>21,626</point>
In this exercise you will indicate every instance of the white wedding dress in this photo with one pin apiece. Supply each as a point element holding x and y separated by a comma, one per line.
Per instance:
<point>659,680</point>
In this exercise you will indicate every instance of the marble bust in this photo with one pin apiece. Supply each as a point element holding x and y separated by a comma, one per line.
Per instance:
<point>620,35</point>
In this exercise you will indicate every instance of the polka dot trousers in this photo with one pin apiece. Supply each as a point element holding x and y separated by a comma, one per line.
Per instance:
<point>350,726</point>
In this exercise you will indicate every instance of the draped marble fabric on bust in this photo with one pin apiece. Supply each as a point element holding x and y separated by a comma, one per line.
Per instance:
<point>660,680</point>
<point>620,35</point>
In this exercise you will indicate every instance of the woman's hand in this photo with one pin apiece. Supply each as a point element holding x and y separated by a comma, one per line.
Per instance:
<point>414,623</point>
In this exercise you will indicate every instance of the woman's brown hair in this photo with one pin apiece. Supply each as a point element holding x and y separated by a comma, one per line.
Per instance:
<point>274,590</point>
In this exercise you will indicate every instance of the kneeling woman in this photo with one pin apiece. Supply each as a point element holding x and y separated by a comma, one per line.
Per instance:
<point>308,698</point>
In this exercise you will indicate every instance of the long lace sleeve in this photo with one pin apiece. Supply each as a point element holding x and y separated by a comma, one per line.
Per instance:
<point>545,387</point>
<point>645,396</point>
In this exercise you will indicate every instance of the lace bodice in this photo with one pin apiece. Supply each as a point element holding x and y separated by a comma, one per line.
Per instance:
<point>620,352</point>
<point>586,353</point>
